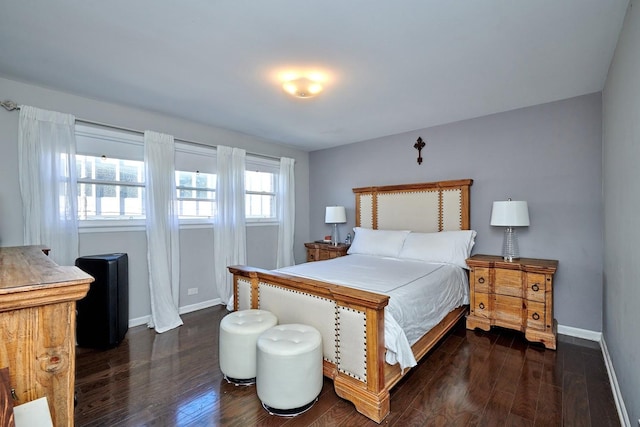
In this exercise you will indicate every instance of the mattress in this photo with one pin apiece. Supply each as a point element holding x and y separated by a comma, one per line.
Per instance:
<point>421,294</point>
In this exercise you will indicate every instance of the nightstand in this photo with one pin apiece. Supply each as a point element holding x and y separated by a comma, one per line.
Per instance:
<point>322,251</point>
<point>514,294</point>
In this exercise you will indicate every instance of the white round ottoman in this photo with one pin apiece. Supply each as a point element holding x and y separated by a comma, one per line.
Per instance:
<point>239,332</point>
<point>289,377</point>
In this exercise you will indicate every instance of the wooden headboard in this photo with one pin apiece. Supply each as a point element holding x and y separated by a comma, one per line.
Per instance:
<point>425,207</point>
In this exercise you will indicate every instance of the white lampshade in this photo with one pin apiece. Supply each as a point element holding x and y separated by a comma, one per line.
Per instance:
<point>335,215</point>
<point>510,213</point>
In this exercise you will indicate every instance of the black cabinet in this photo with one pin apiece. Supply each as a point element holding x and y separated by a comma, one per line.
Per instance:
<point>103,315</point>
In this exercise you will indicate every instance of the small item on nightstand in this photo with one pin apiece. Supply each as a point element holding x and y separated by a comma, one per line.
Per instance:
<point>347,241</point>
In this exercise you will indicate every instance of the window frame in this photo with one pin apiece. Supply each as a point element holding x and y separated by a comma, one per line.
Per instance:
<point>97,141</point>
<point>192,158</point>
<point>263,164</point>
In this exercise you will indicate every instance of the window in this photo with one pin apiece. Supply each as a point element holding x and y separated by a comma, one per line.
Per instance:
<point>195,181</point>
<point>110,174</point>
<point>260,181</point>
<point>109,188</point>
<point>196,194</point>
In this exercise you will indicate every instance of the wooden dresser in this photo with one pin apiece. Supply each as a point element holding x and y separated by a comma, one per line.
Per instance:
<point>322,251</point>
<point>513,294</point>
<point>37,327</point>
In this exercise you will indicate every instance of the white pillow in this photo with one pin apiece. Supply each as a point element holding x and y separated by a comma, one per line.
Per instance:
<point>451,247</point>
<point>377,242</point>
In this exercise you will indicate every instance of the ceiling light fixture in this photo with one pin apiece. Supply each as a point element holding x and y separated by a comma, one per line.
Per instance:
<point>302,87</point>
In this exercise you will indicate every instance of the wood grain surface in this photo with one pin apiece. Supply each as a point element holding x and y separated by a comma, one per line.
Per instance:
<point>38,319</point>
<point>472,378</point>
<point>6,400</point>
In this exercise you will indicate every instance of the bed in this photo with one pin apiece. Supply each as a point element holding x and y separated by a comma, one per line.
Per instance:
<point>350,319</point>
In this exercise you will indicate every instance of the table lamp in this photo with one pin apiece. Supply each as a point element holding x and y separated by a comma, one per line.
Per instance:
<point>335,215</point>
<point>510,214</point>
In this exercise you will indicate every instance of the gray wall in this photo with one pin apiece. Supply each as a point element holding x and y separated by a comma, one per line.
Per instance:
<point>548,155</point>
<point>621,179</point>
<point>196,244</point>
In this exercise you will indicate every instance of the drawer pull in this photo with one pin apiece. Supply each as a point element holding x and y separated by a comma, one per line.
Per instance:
<point>481,306</point>
<point>535,316</point>
<point>481,280</point>
<point>13,394</point>
<point>535,287</point>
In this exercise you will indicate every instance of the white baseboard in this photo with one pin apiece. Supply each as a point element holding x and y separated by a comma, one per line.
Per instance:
<point>580,333</point>
<point>139,321</point>
<point>144,320</point>
<point>617,394</point>
<point>200,306</point>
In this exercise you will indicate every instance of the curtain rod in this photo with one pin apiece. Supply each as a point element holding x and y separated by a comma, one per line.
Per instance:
<point>12,106</point>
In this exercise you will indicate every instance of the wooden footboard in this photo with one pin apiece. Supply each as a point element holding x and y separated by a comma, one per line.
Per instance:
<point>351,322</point>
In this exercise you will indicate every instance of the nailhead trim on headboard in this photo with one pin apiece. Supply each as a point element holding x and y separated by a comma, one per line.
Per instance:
<point>426,207</point>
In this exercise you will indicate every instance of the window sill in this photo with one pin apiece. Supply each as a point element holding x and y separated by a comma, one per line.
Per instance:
<point>106,226</point>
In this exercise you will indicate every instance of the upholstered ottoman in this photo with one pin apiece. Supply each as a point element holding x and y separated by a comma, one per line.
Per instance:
<point>289,364</point>
<point>239,332</point>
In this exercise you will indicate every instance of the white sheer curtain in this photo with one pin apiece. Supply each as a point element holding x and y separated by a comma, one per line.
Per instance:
<point>286,201</point>
<point>163,251</point>
<point>46,165</point>
<point>229,232</point>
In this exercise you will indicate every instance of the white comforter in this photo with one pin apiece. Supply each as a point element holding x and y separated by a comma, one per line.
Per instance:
<point>421,294</point>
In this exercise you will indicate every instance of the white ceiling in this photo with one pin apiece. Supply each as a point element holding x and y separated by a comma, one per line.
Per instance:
<point>393,66</point>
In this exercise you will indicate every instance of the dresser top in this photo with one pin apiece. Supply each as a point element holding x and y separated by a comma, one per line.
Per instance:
<point>24,268</point>
<point>495,261</point>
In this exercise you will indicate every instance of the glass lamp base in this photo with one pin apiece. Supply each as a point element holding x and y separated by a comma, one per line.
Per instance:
<point>335,238</point>
<point>510,249</point>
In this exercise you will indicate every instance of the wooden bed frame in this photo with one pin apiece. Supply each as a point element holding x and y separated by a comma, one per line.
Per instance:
<point>351,321</point>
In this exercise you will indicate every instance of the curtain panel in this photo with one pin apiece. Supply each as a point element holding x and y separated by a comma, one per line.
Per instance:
<point>229,231</point>
<point>47,175</point>
<point>163,250</point>
<point>286,203</point>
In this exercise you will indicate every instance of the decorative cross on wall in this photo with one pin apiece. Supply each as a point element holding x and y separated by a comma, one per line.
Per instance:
<point>419,145</point>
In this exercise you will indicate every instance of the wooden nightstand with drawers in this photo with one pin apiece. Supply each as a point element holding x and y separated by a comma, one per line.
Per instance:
<point>513,294</point>
<point>322,251</point>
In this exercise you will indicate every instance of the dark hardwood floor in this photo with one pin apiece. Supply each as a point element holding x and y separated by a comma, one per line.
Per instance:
<point>472,378</point>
